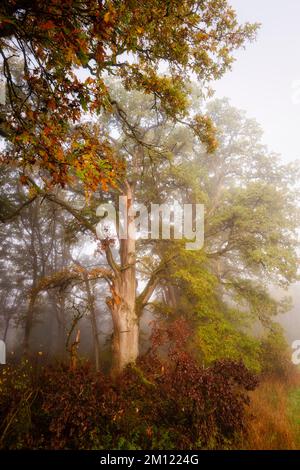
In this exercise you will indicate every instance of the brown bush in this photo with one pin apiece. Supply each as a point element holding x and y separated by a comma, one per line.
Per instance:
<point>170,403</point>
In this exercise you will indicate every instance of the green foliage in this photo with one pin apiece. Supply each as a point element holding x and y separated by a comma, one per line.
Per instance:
<point>251,220</point>
<point>221,339</point>
<point>275,357</point>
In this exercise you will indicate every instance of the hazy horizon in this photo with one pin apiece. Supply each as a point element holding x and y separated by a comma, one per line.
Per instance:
<point>266,75</point>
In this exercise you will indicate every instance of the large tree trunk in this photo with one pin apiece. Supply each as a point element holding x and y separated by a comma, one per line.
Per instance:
<point>123,302</point>
<point>125,322</point>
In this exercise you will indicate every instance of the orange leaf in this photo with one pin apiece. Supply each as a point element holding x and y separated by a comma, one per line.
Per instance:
<point>106,17</point>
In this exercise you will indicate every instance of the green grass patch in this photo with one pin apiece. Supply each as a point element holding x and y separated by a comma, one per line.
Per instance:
<point>294,411</point>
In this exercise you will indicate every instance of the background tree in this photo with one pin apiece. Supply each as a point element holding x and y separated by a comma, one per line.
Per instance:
<point>251,222</point>
<point>250,233</point>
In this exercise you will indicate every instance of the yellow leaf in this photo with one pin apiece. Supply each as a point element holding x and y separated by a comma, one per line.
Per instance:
<point>106,17</point>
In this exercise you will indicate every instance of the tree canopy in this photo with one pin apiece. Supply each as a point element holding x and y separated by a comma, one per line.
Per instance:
<point>67,48</point>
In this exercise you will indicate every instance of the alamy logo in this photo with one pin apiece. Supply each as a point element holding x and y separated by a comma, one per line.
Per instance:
<point>296,353</point>
<point>134,221</point>
<point>2,352</point>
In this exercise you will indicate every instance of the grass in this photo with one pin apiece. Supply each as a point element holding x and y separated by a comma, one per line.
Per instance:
<point>274,416</point>
<point>294,412</point>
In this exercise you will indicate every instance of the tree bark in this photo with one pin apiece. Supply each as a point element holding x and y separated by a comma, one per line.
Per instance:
<point>6,328</point>
<point>125,322</point>
<point>91,305</point>
<point>122,303</point>
<point>34,262</point>
<point>29,323</point>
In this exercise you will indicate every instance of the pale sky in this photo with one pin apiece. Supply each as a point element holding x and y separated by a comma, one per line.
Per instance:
<point>262,79</point>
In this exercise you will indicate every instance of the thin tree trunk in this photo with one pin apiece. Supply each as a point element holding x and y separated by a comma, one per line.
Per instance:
<point>171,297</point>
<point>61,324</point>
<point>7,322</point>
<point>29,322</point>
<point>30,310</point>
<point>91,305</point>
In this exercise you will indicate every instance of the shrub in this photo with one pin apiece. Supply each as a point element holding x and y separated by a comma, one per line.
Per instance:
<point>160,403</point>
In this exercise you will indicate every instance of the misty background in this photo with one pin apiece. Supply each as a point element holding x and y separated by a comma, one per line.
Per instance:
<point>265,82</point>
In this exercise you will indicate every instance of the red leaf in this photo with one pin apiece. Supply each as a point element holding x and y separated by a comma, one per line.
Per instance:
<point>48,25</point>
